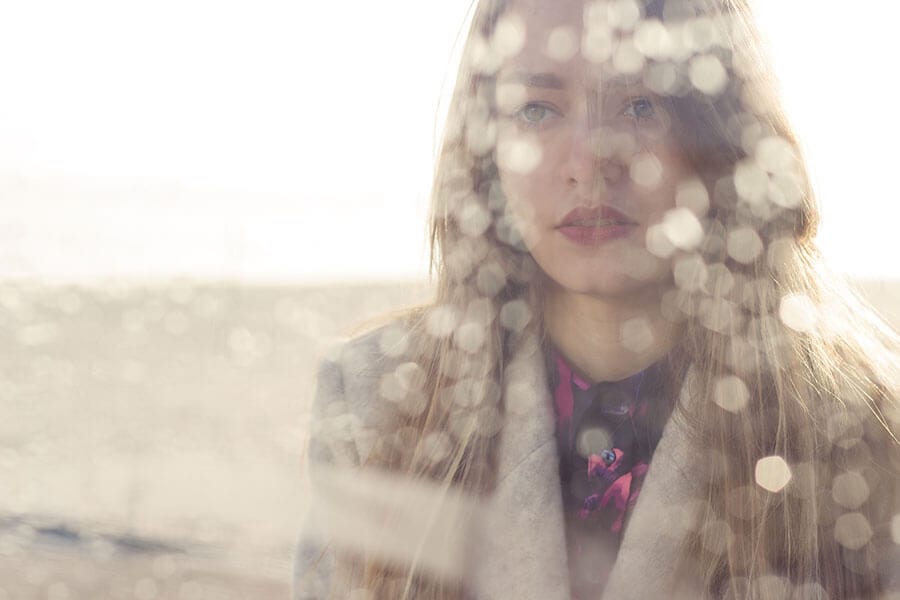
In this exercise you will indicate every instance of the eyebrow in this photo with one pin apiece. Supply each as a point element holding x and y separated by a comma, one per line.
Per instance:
<point>541,80</point>
<point>553,81</point>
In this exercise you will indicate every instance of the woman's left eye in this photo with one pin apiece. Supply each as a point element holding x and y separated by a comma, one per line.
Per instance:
<point>640,108</point>
<point>535,113</point>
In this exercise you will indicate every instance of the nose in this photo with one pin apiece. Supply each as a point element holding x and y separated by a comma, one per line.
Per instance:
<point>591,161</point>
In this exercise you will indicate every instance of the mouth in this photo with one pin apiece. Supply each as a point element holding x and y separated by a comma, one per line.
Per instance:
<point>601,216</point>
<point>594,226</point>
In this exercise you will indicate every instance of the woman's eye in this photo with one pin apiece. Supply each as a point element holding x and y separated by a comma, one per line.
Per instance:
<point>640,108</point>
<point>534,114</point>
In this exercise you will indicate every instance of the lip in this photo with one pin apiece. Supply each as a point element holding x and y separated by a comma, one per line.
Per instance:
<point>594,226</point>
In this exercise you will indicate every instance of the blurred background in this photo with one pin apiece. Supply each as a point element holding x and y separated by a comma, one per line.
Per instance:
<point>198,198</point>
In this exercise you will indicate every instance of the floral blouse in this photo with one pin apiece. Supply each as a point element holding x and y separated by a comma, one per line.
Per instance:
<point>606,433</point>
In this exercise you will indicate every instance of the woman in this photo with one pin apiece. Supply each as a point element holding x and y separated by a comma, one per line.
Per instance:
<point>636,379</point>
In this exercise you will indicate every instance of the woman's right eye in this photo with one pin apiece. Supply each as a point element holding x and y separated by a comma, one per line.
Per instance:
<point>534,113</point>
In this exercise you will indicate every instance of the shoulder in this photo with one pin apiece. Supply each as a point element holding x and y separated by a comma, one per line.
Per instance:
<point>352,402</point>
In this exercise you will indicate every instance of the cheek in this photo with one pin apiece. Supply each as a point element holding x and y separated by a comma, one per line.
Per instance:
<point>523,204</point>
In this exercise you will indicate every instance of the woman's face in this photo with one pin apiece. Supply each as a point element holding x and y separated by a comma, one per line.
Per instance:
<point>585,154</point>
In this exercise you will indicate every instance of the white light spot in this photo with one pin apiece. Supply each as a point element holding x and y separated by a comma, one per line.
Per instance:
<point>509,35</point>
<point>690,273</point>
<point>798,312</point>
<point>436,447</point>
<point>627,59</point>
<point>658,242</point>
<point>646,170</point>
<point>699,34</point>
<point>786,190</point>
<point>442,320</point>
<point>775,154</point>
<point>515,315</point>
<point>652,38</point>
<point>750,181</point>
<point>597,45</point>
<point>772,473</point>
<point>490,279</point>
<point>731,393</point>
<point>519,154</point>
<point>636,334</point>
<point>510,96</point>
<point>662,78</point>
<point>682,228</point>
<point>692,194</point>
<point>393,341</point>
<point>562,44</point>
<point>470,337</point>
<point>707,74</point>
<point>852,530</point>
<point>744,245</point>
<point>718,314</point>
<point>593,440</point>
<point>623,14</point>
<point>850,490</point>
<point>474,219</point>
<point>721,280</point>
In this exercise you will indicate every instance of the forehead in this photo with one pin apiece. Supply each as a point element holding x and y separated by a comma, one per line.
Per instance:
<point>548,14</point>
<point>552,42</point>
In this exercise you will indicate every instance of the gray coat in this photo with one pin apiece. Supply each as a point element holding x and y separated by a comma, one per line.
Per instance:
<point>512,546</point>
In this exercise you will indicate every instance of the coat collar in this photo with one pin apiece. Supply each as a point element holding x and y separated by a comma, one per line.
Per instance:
<point>522,546</point>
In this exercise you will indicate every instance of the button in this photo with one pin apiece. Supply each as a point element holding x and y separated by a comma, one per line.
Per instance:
<point>608,456</point>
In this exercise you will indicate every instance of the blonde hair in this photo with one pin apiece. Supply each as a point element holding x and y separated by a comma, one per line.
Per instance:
<point>779,360</point>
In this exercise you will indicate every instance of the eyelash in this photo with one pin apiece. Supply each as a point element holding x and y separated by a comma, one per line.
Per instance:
<point>634,101</point>
<point>519,114</point>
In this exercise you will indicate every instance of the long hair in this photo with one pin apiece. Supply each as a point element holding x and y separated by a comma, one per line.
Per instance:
<point>780,366</point>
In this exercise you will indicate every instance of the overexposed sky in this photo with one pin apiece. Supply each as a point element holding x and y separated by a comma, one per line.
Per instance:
<point>285,140</point>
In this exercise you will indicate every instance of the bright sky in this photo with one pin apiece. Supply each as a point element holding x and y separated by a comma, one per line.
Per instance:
<point>284,140</point>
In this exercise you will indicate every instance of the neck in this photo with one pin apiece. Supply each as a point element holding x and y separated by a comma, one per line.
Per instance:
<point>608,339</point>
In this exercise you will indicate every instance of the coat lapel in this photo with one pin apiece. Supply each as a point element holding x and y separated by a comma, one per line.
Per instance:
<point>660,521</point>
<point>522,547</point>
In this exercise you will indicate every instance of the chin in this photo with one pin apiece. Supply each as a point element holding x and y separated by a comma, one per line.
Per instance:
<point>621,275</point>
